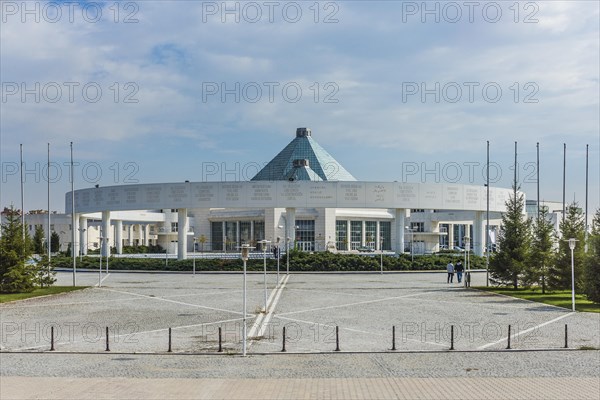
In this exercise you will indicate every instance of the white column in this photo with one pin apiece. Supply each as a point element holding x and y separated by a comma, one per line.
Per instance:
<point>105,243</point>
<point>377,238</point>
<point>478,233</point>
<point>290,217</point>
<point>450,236</point>
<point>363,236</point>
<point>146,235</point>
<point>74,237</point>
<point>182,229</point>
<point>348,235</point>
<point>83,226</point>
<point>252,230</point>
<point>224,238</point>
<point>399,223</point>
<point>119,236</point>
<point>129,238</point>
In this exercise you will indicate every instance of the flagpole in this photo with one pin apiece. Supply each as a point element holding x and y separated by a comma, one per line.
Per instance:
<point>22,194</point>
<point>49,232</point>
<point>587,146</point>
<point>538,179</point>
<point>73,254</point>
<point>564,179</point>
<point>487,227</point>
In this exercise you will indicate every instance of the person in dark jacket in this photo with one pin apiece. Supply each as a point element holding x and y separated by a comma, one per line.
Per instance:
<point>459,269</point>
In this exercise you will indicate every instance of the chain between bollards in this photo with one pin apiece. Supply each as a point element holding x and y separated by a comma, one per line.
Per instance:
<point>566,337</point>
<point>220,342</point>
<point>283,341</point>
<point>451,337</point>
<point>51,338</point>
<point>508,347</point>
<point>107,348</point>
<point>393,337</point>
<point>337,338</point>
<point>169,350</point>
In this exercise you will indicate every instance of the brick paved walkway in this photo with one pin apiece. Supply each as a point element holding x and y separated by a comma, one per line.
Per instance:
<point>347,389</point>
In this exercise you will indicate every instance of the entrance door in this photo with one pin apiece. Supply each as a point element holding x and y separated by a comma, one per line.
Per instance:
<point>306,246</point>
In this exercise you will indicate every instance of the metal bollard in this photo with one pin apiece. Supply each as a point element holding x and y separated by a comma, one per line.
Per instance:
<point>220,342</point>
<point>169,351</point>
<point>51,338</point>
<point>283,341</point>
<point>451,337</point>
<point>337,338</point>
<point>566,337</point>
<point>508,347</point>
<point>107,348</point>
<point>393,337</point>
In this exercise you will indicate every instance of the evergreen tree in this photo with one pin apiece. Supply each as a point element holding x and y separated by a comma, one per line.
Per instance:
<point>43,273</point>
<point>542,252</point>
<point>514,240</point>
<point>592,265</point>
<point>14,253</point>
<point>38,240</point>
<point>559,275</point>
<point>54,242</point>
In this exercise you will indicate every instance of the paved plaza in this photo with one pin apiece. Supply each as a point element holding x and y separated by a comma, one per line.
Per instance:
<point>139,309</point>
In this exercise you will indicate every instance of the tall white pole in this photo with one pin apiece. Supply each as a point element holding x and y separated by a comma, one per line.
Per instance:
<point>265,271</point>
<point>73,219</point>
<point>587,146</point>
<point>194,259</point>
<point>49,232</point>
<point>287,254</point>
<point>22,195</point>
<point>564,180</point>
<point>244,315</point>
<point>100,257</point>
<point>487,226</point>
<point>278,257</point>
<point>572,278</point>
<point>381,249</point>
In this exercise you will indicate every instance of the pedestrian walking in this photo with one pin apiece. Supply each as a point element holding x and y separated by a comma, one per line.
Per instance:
<point>450,269</point>
<point>459,269</point>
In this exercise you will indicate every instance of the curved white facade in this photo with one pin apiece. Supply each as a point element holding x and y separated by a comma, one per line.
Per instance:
<point>281,194</point>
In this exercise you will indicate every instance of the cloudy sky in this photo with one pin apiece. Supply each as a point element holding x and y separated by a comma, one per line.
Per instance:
<point>158,91</point>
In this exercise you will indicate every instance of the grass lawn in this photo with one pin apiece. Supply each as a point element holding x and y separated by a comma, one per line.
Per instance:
<point>4,298</point>
<point>560,298</point>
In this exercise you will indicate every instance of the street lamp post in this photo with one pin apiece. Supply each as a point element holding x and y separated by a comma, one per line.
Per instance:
<point>412,241</point>
<point>194,259</point>
<point>467,240</point>
<point>572,243</point>
<point>278,257</point>
<point>381,249</point>
<point>264,246</point>
<point>245,254</point>
<point>287,254</point>
<point>100,265</point>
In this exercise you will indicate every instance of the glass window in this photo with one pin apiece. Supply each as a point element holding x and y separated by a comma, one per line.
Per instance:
<point>174,226</point>
<point>305,235</point>
<point>341,232</point>
<point>245,233</point>
<point>418,226</point>
<point>216,234</point>
<point>370,233</point>
<point>259,233</point>
<point>231,235</point>
<point>355,234</point>
<point>385,233</point>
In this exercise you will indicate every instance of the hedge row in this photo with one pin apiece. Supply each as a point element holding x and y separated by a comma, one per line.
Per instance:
<point>299,261</point>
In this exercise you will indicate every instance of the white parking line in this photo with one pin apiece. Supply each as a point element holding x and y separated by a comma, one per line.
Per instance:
<point>355,304</point>
<point>258,328</point>
<point>485,346</point>
<point>169,301</point>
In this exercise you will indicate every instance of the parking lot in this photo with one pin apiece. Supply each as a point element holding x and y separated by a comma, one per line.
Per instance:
<point>139,309</point>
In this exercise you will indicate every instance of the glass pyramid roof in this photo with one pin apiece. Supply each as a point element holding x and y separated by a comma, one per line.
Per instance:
<point>321,165</point>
